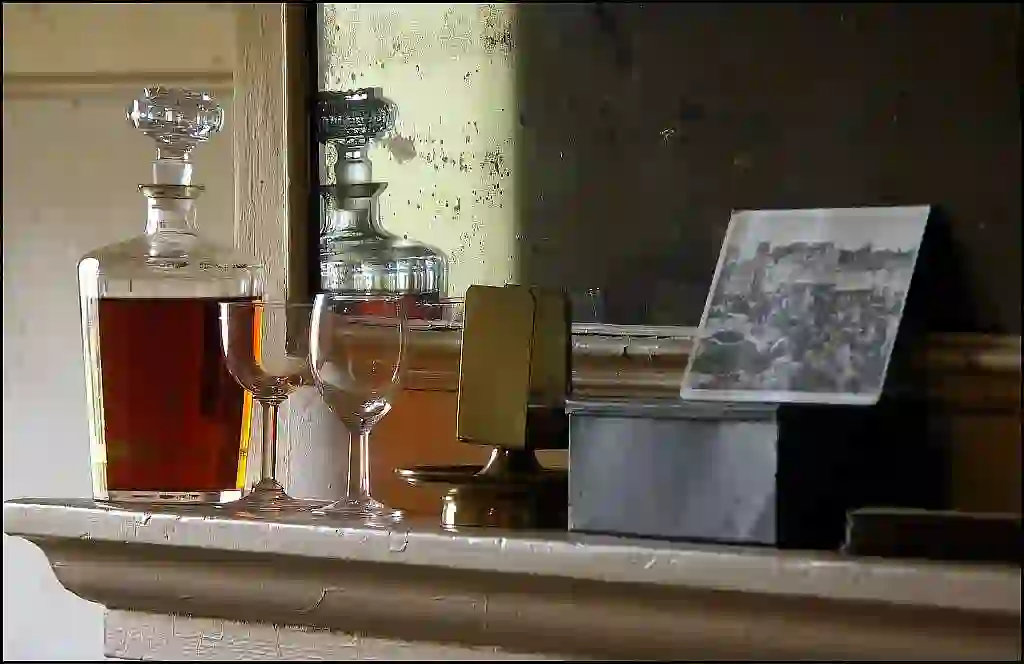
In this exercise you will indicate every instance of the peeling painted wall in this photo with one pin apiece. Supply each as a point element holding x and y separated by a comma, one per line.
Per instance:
<point>449,68</point>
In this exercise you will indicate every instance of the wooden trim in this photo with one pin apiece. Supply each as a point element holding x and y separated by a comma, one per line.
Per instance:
<point>45,86</point>
<point>300,178</point>
<point>975,383</point>
<point>261,133</point>
<point>957,371</point>
<point>974,353</point>
<point>559,616</point>
<point>973,372</point>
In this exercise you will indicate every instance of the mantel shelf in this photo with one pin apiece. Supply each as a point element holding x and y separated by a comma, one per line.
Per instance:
<point>579,596</point>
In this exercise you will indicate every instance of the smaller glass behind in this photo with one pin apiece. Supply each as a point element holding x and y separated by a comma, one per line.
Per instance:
<point>254,343</point>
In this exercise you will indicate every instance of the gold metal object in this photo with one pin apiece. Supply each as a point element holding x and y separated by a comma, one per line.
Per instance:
<point>512,491</point>
<point>549,361</point>
<point>494,372</point>
<point>513,378</point>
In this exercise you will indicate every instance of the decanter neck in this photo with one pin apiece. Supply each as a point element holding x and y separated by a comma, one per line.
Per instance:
<point>351,209</point>
<point>170,208</point>
<point>358,219</point>
<point>172,167</point>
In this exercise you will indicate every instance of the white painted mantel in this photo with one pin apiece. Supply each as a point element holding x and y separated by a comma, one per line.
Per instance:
<point>191,583</point>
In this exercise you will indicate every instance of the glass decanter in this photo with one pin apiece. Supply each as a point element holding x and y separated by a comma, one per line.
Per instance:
<point>357,256</point>
<point>167,422</point>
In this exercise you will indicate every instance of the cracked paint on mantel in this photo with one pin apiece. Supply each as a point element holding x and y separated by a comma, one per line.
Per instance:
<point>449,164</point>
<point>138,635</point>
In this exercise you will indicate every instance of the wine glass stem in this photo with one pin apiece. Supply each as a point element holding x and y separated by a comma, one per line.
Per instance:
<point>269,456</point>
<point>359,465</point>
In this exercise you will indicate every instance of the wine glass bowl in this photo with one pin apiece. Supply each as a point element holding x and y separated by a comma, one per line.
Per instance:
<point>356,350</point>
<point>260,364</point>
<point>356,366</point>
<point>254,346</point>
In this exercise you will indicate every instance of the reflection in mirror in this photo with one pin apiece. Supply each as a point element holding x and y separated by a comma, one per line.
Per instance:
<point>601,147</point>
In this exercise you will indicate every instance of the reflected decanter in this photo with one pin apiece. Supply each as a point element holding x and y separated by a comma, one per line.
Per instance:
<point>167,423</point>
<point>356,254</point>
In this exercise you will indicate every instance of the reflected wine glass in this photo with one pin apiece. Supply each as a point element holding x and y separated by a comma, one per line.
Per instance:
<point>356,348</point>
<point>253,341</point>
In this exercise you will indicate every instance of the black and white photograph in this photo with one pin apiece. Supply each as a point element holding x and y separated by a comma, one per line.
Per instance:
<point>805,305</point>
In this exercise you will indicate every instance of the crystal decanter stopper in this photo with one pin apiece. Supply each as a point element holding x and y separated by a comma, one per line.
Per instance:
<point>356,253</point>
<point>178,120</point>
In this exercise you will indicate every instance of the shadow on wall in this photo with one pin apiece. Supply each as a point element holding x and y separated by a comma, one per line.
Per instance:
<point>641,126</point>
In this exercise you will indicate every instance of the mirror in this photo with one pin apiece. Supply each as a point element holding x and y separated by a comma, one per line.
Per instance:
<point>601,147</point>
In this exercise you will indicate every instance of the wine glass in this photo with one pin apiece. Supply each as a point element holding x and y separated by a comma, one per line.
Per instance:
<point>253,340</point>
<point>356,348</point>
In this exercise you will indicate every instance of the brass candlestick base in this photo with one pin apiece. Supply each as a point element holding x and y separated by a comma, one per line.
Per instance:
<point>511,491</point>
<point>513,378</point>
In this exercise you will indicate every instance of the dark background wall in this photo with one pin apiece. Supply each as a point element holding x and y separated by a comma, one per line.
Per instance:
<point>643,124</point>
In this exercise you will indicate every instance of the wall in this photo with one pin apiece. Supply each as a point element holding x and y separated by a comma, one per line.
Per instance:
<point>71,166</point>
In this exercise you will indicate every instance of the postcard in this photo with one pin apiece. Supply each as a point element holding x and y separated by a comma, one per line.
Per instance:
<point>805,305</point>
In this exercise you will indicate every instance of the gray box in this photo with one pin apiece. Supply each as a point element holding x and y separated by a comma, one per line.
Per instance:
<point>672,469</point>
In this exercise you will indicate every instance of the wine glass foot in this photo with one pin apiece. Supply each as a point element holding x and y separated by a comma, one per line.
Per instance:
<point>268,497</point>
<point>361,511</point>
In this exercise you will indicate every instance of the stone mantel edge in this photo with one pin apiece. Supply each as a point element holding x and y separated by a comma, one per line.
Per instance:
<point>558,595</point>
